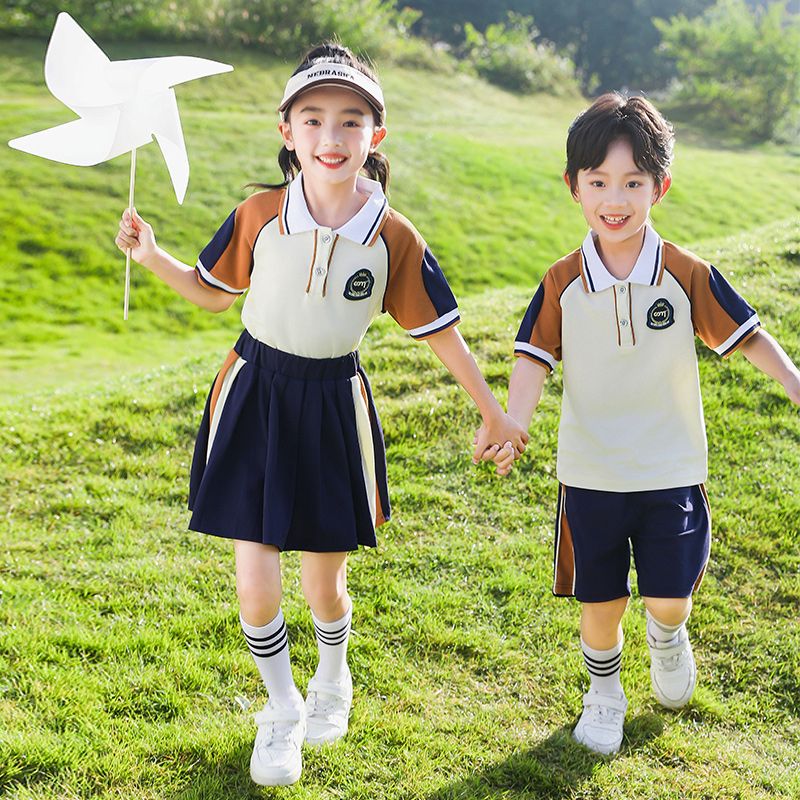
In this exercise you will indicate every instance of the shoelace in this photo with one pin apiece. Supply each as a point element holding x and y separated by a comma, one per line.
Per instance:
<point>603,715</point>
<point>320,706</point>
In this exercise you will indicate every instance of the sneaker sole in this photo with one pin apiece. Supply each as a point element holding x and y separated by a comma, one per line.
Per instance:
<point>276,779</point>
<point>320,741</point>
<point>606,750</point>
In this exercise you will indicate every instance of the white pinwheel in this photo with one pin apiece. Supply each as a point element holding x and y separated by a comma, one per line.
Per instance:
<point>122,105</point>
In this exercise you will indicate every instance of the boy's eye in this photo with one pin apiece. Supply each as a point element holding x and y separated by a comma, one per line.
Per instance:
<point>598,184</point>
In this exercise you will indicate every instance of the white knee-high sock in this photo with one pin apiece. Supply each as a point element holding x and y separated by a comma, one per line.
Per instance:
<point>662,633</point>
<point>332,638</point>
<point>269,645</point>
<point>604,668</point>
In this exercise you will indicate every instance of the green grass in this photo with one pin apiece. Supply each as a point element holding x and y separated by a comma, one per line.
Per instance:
<point>122,668</point>
<point>121,660</point>
<point>475,168</point>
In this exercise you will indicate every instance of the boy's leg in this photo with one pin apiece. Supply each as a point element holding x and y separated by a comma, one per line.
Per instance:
<point>672,668</point>
<point>600,725</point>
<point>330,690</point>
<point>671,549</point>
<point>276,758</point>
<point>597,525</point>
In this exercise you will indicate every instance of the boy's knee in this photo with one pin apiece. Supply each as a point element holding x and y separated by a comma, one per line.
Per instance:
<point>669,610</point>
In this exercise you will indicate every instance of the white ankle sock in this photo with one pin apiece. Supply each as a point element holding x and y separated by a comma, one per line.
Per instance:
<point>332,638</point>
<point>604,668</point>
<point>269,645</point>
<point>660,632</point>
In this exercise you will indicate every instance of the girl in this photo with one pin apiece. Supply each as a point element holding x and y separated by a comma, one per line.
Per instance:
<point>290,451</point>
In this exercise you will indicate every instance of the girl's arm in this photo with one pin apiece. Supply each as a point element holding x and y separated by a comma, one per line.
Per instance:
<point>763,352</point>
<point>136,234</point>
<point>451,349</point>
<point>524,392</point>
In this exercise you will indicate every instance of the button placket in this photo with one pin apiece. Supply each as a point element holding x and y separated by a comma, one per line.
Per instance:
<point>319,271</point>
<point>622,304</point>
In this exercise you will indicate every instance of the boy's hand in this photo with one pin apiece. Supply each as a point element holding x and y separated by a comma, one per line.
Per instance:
<point>136,234</point>
<point>504,458</point>
<point>502,428</point>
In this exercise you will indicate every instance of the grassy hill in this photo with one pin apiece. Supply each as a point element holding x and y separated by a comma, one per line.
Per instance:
<point>478,170</point>
<point>122,669</point>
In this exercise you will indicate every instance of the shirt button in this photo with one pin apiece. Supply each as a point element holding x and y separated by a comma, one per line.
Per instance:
<point>622,290</point>
<point>319,271</point>
<point>326,238</point>
<point>623,322</point>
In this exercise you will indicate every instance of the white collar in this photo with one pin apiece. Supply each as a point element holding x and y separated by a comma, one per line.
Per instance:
<point>360,228</point>
<point>646,271</point>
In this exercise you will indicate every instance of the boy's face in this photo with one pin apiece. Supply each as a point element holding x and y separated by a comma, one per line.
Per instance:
<point>616,197</point>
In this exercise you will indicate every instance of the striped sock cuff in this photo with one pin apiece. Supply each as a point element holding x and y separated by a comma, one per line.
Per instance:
<point>333,633</point>
<point>267,640</point>
<point>602,663</point>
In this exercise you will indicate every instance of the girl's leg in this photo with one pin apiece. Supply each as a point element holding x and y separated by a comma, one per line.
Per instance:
<point>672,669</point>
<point>258,585</point>
<point>324,581</point>
<point>330,691</point>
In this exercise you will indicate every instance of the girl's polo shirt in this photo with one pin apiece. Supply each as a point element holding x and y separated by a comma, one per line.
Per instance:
<point>313,291</point>
<point>632,414</point>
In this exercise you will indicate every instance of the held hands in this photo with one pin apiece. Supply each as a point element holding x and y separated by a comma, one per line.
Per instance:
<point>136,234</point>
<point>503,429</point>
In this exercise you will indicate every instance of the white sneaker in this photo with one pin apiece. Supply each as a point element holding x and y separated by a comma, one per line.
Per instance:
<point>276,759</point>
<point>600,725</point>
<point>328,709</point>
<point>672,669</point>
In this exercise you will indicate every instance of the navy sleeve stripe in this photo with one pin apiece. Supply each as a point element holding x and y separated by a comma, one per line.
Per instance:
<point>216,247</point>
<point>436,285</point>
<point>737,308</point>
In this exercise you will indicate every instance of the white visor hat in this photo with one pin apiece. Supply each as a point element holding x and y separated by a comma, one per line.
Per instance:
<point>330,73</point>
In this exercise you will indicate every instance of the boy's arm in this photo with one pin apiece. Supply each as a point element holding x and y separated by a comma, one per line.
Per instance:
<point>763,352</point>
<point>451,349</point>
<point>524,392</point>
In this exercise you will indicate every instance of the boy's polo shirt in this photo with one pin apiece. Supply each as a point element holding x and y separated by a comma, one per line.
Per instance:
<point>312,290</point>
<point>632,414</point>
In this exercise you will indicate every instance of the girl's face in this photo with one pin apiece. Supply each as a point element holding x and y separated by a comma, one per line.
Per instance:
<point>332,131</point>
<point>616,197</point>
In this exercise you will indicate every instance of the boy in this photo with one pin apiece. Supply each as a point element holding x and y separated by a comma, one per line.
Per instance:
<point>621,313</point>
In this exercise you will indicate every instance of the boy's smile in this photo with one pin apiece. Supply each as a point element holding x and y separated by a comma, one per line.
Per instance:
<point>616,198</point>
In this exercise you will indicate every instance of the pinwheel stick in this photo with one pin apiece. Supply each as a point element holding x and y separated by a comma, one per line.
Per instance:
<point>128,253</point>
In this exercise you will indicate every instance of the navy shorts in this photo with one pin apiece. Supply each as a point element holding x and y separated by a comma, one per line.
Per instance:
<point>669,531</point>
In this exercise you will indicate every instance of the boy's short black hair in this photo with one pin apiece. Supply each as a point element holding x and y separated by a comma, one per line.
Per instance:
<point>613,116</point>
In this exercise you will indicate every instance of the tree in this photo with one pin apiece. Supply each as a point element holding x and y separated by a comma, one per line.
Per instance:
<point>738,66</point>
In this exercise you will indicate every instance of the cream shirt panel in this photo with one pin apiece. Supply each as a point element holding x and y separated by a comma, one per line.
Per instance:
<point>320,322</point>
<point>632,415</point>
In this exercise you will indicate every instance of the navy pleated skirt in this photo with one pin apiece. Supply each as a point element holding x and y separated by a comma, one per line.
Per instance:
<point>290,453</point>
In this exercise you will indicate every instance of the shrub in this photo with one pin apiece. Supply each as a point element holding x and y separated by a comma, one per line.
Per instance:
<point>738,67</point>
<point>509,55</point>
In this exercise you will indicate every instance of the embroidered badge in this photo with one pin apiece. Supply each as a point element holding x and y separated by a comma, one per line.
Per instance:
<point>660,315</point>
<point>359,285</point>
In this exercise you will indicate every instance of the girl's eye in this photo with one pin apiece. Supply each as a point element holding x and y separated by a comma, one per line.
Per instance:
<point>597,184</point>
<point>351,124</point>
<point>633,184</point>
<point>312,122</point>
